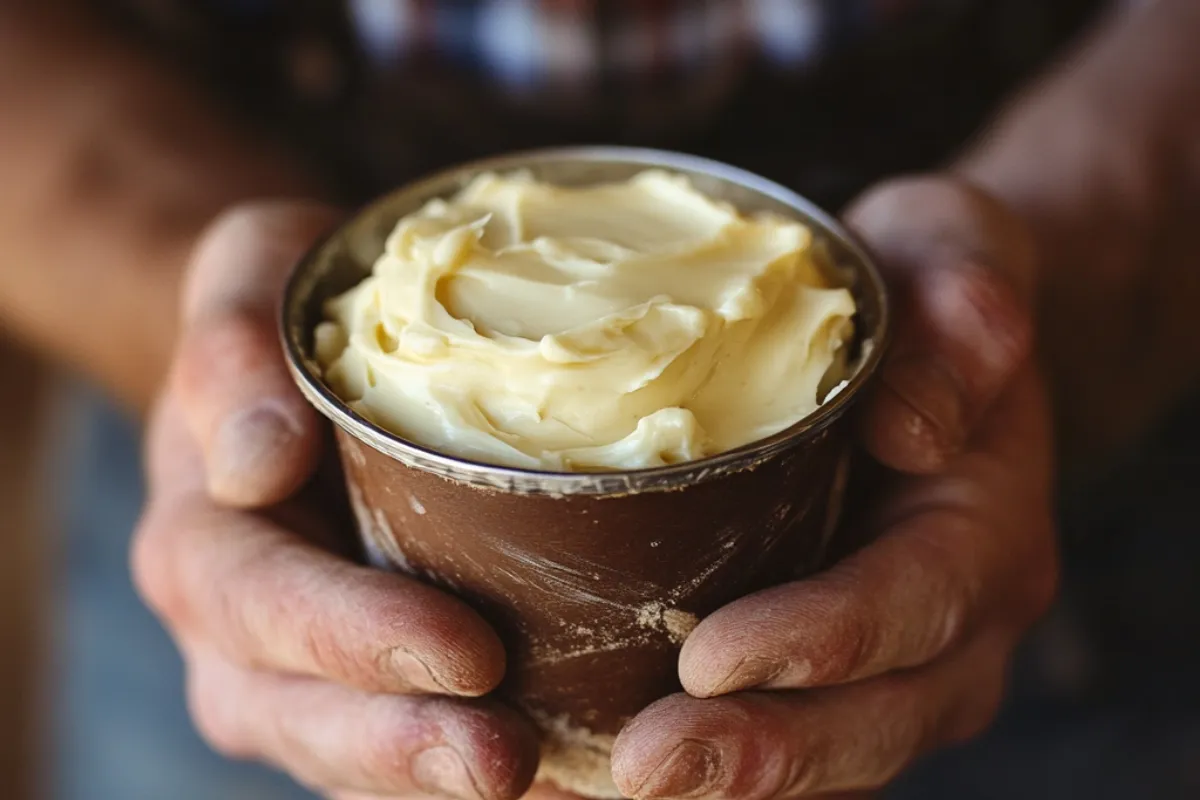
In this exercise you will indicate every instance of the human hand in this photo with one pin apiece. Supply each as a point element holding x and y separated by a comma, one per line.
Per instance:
<point>351,679</point>
<point>834,684</point>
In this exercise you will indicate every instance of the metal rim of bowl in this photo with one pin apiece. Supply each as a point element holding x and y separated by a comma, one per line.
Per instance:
<point>524,481</point>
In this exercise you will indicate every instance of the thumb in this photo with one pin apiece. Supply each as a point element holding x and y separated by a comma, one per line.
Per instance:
<point>960,267</point>
<point>259,438</point>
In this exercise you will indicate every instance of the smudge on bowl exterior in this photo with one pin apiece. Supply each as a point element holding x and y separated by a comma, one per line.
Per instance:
<point>594,595</point>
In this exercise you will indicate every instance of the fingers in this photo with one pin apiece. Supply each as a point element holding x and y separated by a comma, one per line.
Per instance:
<point>258,435</point>
<point>757,746</point>
<point>367,744</point>
<point>898,604</point>
<point>972,545</point>
<point>961,269</point>
<point>271,601</point>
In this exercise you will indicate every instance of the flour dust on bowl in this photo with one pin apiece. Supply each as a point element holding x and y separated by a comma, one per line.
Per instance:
<point>595,574</point>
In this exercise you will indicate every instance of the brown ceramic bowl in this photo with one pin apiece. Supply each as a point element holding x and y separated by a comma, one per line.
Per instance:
<point>593,580</point>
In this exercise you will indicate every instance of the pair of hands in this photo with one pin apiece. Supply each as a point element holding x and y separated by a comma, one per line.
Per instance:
<point>363,684</point>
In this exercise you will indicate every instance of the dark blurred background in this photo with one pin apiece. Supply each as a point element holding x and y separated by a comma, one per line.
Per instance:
<point>1105,701</point>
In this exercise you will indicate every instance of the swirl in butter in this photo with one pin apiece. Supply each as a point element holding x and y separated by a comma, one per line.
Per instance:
<point>611,327</point>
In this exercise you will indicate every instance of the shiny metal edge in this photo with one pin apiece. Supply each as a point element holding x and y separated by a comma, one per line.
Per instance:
<point>614,484</point>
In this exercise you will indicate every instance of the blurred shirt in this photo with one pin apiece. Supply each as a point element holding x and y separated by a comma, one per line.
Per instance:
<point>820,94</point>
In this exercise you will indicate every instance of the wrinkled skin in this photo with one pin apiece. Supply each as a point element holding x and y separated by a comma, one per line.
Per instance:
<point>363,684</point>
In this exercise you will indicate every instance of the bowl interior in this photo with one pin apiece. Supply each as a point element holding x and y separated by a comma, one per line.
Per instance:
<point>345,257</point>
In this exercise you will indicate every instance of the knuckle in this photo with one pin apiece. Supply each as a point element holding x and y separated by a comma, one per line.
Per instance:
<point>246,244</point>
<point>908,214</point>
<point>235,344</point>
<point>219,735</point>
<point>329,649</point>
<point>806,770</point>
<point>214,713</point>
<point>215,586</point>
<point>323,648</point>
<point>244,610</point>
<point>883,198</point>
<point>267,614</point>
<point>150,566</point>
<point>264,622</point>
<point>895,737</point>
<point>261,220</point>
<point>948,577</point>
<point>919,203</point>
<point>258,227</point>
<point>229,238</point>
<point>851,625</point>
<point>231,618</point>
<point>240,225</point>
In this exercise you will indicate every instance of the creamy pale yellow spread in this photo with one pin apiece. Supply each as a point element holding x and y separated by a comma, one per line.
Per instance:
<point>617,326</point>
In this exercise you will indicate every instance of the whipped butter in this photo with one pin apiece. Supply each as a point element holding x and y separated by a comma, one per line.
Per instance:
<point>611,327</point>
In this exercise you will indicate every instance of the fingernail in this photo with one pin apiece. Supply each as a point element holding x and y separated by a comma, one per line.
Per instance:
<point>934,396</point>
<point>416,673</point>
<point>246,449</point>
<point>690,770</point>
<point>441,771</point>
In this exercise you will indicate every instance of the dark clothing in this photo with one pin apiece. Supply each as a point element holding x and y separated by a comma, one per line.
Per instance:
<point>822,95</point>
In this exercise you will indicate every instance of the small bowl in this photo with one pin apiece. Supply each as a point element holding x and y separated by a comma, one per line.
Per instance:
<point>592,580</point>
